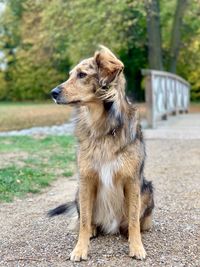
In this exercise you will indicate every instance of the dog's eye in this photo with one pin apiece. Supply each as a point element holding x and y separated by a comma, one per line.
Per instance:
<point>81,75</point>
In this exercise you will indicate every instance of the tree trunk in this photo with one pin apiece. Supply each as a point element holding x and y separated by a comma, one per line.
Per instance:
<point>154,34</point>
<point>176,34</point>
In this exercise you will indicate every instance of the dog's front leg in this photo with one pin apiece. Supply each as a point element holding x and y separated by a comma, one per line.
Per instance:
<point>132,196</point>
<point>86,198</point>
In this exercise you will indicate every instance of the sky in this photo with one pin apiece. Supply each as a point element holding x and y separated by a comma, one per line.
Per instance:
<point>2,6</point>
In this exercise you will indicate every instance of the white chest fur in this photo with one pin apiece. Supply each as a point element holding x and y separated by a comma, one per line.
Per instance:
<point>109,205</point>
<point>107,172</point>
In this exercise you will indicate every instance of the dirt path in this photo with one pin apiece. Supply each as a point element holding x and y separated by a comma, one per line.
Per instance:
<point>28,238</point>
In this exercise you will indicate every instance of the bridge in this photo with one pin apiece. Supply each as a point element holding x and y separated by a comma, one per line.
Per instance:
<point>167,99</point>
<point>165,94</point>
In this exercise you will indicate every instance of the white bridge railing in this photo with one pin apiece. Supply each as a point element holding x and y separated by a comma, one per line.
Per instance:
<point>165,94</point>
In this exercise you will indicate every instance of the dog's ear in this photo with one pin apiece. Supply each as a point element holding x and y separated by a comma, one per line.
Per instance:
<point>109,67</point>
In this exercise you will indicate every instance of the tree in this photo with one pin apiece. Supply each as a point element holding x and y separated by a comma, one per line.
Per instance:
<point>176,34</point>
<point>183,40</point>
<point>154,35</point>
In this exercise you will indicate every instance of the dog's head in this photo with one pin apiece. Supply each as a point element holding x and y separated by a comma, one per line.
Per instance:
<point>90,79</point>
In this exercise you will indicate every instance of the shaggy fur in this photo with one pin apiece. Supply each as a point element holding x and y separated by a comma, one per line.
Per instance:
<point>113,194</point>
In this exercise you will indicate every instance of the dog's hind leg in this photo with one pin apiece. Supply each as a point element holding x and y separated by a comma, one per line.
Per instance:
<point>147,205</point>
<point>146,223</point>
<point>93,231</point>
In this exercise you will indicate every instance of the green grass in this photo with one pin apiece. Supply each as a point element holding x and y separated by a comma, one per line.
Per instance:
<point>46,159</point>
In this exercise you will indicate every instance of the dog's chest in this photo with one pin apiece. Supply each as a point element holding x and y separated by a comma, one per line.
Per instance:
<point>106,163</point>
<point>109,203</point>
<point>107,171</point>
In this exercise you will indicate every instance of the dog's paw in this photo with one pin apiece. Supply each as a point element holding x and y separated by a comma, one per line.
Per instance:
<point>79,253</point>
<point>93,231</point>
<point>137,251</point>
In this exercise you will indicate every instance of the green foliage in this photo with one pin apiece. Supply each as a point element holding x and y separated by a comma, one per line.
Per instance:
<point>189,62</point>
<point>45,157</point>
<point>54,35</point>
<point>32,80</point>
<point>31,68</point>
<point>42,40</point>
<point>191,71</point>
<point>82,25</point>
<point>189,56</point>
<point>3,86</point>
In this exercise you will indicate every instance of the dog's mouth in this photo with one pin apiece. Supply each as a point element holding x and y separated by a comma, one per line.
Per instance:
<point>74,102</point>
<point>60,102</point>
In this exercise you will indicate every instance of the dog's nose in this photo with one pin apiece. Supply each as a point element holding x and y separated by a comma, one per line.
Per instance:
<point>55,92</point>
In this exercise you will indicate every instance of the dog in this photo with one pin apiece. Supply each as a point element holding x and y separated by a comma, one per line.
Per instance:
<point>113,194</point>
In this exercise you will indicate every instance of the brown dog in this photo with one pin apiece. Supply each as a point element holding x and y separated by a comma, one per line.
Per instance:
<point>113,193</point>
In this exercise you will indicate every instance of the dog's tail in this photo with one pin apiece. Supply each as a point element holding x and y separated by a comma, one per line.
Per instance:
<point>68,208</point>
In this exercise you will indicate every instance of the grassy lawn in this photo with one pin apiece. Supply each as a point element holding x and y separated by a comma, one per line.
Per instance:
<point>28,164</point>
<point>16,116</point>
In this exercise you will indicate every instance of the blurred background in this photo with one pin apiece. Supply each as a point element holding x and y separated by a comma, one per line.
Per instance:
<point>41,40</point>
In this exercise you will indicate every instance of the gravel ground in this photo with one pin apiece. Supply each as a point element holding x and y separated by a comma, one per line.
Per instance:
<point>63,129</point>
<point>28,238</point>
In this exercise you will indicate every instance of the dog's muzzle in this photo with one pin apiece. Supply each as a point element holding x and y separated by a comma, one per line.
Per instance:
<point>55,93</point>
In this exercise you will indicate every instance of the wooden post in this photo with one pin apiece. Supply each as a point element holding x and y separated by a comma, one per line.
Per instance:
<point>164,117</point>
<point>149,96</point>
<point>188,102</point>
<point>176,97</point>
